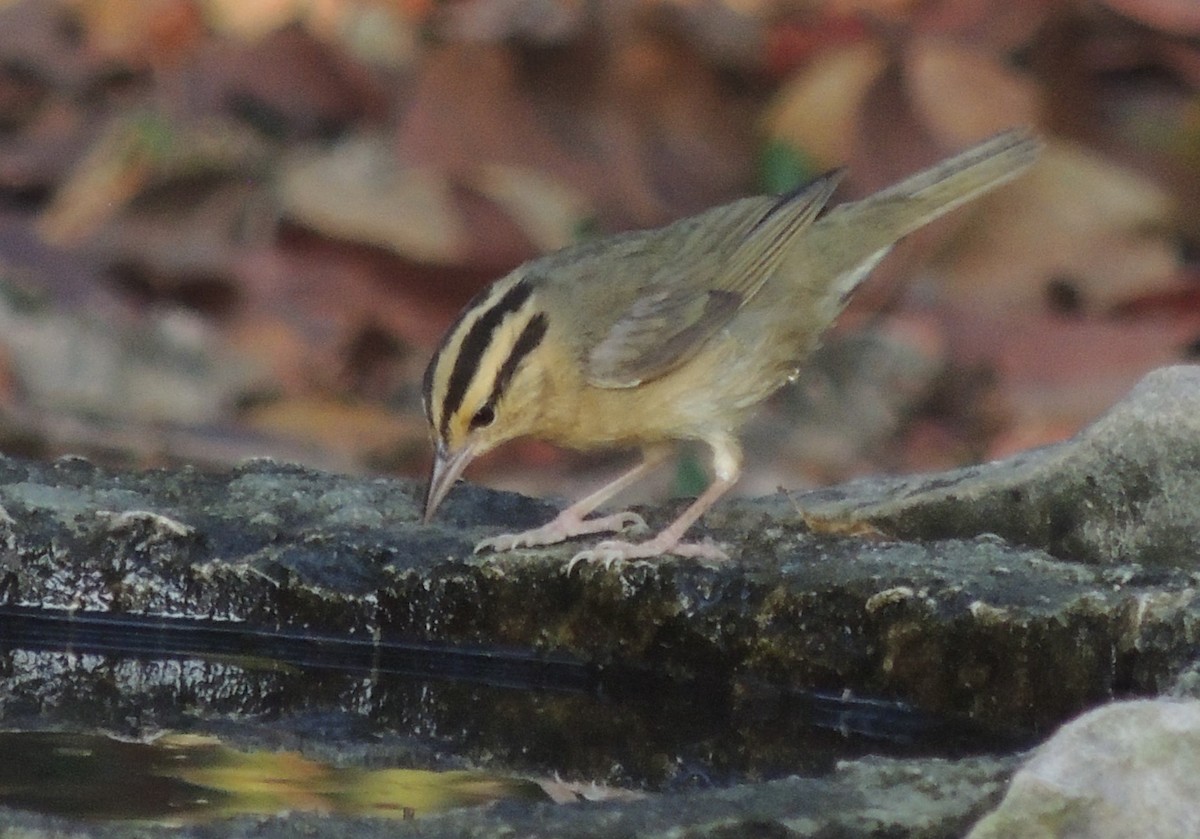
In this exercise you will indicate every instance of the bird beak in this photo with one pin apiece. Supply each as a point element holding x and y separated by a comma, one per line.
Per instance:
<point>447,468</point>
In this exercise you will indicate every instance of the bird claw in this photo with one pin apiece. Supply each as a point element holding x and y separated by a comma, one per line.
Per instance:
<point>561,529</point>
<point>604,558</point>
<point>504,542</point>
<point>611,553</point>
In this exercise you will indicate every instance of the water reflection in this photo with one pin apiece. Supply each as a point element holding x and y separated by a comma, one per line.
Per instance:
<point>186,778</point>
<point>508,711</point>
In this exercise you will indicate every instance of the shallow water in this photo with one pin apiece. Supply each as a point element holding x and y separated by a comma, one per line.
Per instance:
<point>436,707</point>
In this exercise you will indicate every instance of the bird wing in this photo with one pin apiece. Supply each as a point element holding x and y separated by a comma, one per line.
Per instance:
<point>723,258</point>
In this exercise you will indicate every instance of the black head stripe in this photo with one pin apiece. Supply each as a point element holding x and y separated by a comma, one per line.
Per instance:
<point>527,342</point>
<point>474,344</point>
<point>435,359</point>
<point>427,384</point>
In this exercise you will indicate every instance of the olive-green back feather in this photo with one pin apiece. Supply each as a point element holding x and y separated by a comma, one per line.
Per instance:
<point>708,271</point>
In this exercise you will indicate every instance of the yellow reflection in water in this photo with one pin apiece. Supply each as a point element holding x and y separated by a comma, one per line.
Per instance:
<point>180,777</point>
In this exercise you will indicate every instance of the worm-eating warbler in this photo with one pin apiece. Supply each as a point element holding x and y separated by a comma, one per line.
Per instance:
<point>649,338</point>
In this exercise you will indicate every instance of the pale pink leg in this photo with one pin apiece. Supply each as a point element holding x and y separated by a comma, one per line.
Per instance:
<point>727,461</point>
<point>573,522</point>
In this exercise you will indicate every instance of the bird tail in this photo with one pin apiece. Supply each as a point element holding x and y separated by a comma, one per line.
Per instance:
<point>957,180</point>
<point>852,238</point>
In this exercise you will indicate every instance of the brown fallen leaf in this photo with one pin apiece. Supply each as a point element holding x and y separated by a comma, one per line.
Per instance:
<point>493,119</point>
<point>549,212</point>
<point>635,122</point>
<point>251,21</point>
<point>1055,374</point>
<point>135,32</point>
<point>790,44</point>
<point>963,93</point>
<point>290,84</point>
<point>358,190</point>
<point>1076,223</point>
<point>832,85</point>
<point>115,169</point>
<point>357,430</point>
<point>139,150</point>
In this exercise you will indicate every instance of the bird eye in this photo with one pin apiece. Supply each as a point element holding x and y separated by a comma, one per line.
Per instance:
<point>484,416</point>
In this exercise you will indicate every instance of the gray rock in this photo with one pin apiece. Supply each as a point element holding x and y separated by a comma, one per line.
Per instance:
<point>1126,769</point>
<point>972,626</point>
<point>1089,591</point>
<point>1124,490</point>
<point>950,620</point>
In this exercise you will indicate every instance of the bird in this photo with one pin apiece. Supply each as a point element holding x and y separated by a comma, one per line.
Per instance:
<point>652,338</point>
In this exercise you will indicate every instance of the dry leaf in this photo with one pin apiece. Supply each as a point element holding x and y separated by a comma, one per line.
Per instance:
<point>291,85</point>
<point>547,210</point>
<point>640,125</point>
<point>817,111</point>
<point>1074,218</point>
<point>158,32</point>
<point>1054,373</point>
<point>252,21</point>
<point>115,168</point>
<point>492,119</point>
<point>359,191</point>
<point>355,429</point>
<point>963,94</point>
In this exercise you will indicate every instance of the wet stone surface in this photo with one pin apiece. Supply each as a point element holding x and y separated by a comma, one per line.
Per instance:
<point>1014,595</point>
<point>1125,490</point>
<point>973,625</point>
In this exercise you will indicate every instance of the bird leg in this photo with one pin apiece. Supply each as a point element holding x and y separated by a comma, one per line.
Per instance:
<point>573,522</point>
<point>727,465</point>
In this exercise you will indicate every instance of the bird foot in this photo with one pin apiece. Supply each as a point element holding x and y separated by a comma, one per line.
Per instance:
<point>565,526</point>
<point>610,553</point>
